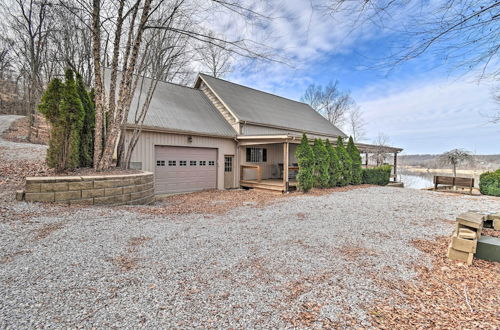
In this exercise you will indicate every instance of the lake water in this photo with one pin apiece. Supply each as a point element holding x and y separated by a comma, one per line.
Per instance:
<point>420,180</point>
<point>416,181</point>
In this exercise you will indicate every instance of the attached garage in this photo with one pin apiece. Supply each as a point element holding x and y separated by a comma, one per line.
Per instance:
<point>184,169</point>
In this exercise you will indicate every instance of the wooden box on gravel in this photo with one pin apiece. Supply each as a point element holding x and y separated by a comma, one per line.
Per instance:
<point>463,243</point>
<point>466,239</point>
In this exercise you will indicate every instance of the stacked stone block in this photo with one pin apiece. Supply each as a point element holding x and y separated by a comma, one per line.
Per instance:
<point>464,240</point>
<point>91,190</point>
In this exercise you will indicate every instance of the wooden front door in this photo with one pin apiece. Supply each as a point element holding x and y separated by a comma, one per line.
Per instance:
<point>228,171</point>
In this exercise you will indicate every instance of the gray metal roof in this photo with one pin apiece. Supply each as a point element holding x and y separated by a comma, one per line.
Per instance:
<point>180,108</point>
<point>252,105</point>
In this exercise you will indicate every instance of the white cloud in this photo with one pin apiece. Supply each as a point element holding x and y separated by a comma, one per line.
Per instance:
<point>432,116</point>
<point>298,33</point>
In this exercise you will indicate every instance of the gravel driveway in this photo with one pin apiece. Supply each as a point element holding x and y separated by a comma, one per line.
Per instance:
<point>15,150</point>
<point>303,261</point>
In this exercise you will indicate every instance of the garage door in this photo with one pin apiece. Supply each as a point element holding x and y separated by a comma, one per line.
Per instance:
<point>183,169</point>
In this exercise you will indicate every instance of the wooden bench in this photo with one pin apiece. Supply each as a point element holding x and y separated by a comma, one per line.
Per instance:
<point>454,182</point>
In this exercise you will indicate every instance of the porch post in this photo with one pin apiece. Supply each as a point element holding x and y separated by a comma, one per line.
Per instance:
<point>285,166</point>
<point>366,159</point>
<point>395,166</point>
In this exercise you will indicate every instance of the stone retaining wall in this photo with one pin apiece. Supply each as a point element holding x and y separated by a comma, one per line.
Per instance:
<point>91,190</point>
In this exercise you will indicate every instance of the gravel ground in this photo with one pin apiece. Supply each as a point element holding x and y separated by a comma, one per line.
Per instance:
<point>305,261</point>
<point>266,267</point>
<point>17,150</point>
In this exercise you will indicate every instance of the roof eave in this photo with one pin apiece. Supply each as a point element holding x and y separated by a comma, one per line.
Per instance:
<point>148,128</point>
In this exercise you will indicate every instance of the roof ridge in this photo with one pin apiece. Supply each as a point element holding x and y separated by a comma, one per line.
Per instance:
<point>255,89</point>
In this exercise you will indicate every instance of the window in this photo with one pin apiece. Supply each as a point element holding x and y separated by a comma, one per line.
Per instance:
<point>172,163</point>
<point>203,163</point>
<point>192,163</point>
<point>211,163</point>
<point>160,163</point>
<point>228,164</point>
<point>256,155</point>
<point>182,162</point>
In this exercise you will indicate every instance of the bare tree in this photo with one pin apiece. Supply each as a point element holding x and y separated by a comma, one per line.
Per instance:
<point>379,154</point>
<point>356,124</point>
<point>329,101</point>
<point>165,57</point>
<point>127,25</point>
<point>71,43</point>
<point>464,33</point>
<point>28,24</point>
<point>456,157</point>
<point>215,58</point>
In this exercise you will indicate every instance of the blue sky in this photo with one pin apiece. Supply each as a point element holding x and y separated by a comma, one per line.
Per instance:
<point>422,106</point>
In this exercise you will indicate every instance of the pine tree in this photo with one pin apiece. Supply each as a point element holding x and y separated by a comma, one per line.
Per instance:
<point>49,107</point>
<point>72,114</point>
<point>333,165</point>
<point>87,131</point>
<point>345,163</point>
<point>321,164</point>
<point>356,169</point>
<point>305,159</point>
<point>62,107</point>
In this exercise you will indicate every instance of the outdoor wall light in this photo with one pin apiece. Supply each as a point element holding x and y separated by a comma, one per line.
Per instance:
<point>190,139</point>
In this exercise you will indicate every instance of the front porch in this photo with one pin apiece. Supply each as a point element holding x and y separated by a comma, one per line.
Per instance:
<point>269,162</point>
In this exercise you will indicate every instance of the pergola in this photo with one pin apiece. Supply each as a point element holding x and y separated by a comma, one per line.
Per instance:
<point>368,149</point>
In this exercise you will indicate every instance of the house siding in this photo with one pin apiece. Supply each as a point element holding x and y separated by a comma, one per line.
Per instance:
<point>144,151</point>
<point>248,129</point>
<point>219,106</point>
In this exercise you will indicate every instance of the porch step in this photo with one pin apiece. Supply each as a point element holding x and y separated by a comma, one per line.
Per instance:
<point>262,185</point>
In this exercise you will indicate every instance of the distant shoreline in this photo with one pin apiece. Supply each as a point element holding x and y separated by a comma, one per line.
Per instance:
<point>472,172</point>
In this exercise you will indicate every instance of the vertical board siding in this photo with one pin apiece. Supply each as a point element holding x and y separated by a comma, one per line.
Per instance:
<point>216,102</point>
<point>144,151</point>
<point>248,129</point>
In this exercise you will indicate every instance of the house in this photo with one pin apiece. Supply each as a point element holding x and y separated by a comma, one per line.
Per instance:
<point>222,135</point>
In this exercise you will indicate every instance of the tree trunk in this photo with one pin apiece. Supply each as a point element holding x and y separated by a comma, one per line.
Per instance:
<point>99,106</point>
<point>126,93</point>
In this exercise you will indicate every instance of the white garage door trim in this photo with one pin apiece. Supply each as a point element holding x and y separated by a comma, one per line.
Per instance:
<point>184,169</point>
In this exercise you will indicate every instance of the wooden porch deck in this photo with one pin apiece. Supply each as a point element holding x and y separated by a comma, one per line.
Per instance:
<point>267,184</point>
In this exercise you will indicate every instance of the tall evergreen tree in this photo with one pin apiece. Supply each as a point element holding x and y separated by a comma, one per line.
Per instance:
<point>87,131</point>
<point>63,109</point>
<point>321,164</point>
<point>356,169</point>
<point>305,159</point>
<point>49,107</point>
<point>72,113</point>
<point>333,165</point>
<point>345,163</point>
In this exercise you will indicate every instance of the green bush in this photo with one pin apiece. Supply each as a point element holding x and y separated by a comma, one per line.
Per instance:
<point>345,164</point>
<point>333,166</point>
<point>305,159</point>
<point>321,164</point>
<point>489,183</point>
<point>356,169</point>
<point>63,109</point>
<point>377,175</point>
